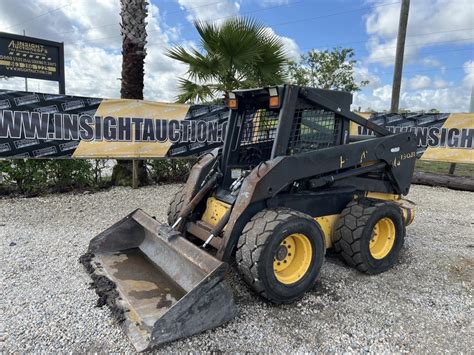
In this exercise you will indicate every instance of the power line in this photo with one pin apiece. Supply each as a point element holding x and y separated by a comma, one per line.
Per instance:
<point>305,19</point>
<point>197,7</point>
<point>115,11</point>
<point>41,15</point>
<point>294,21</point>
<point>334,14</point>
<point>411,36</point>
<point>427,70</point>
<point>434,52</point>
<point>251,12</point>
<point>429,44</point>
<point>339,13</point>
<point>217,2</point>
<point>227,17</point>
<point>152,16</point>
<point>90,28</point>
<point>186,24</point>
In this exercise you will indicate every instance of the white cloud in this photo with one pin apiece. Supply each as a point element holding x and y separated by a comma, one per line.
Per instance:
<point>290,46</point>
<point>206,11</point>
<point>93,46</point>
<point>362,73</point>
<point>431,62</point>
<point>440,84</point>
<point>93,43</point>
<point>383,93</point>
<point>429,22</point>
<point>267,3</point>
<point>420,82</point>
<point>444,99</point>
<point>468,80</point>
<point>378,99</point>
<point>97,79</point>
<point>422,93</point>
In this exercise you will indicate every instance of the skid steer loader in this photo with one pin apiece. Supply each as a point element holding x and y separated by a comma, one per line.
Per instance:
<point>289,182</point>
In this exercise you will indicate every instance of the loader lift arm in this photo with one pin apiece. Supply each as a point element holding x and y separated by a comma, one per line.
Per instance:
<point>342,164</point>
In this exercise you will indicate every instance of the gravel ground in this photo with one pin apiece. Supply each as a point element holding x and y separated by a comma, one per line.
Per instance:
<point>423,305</point>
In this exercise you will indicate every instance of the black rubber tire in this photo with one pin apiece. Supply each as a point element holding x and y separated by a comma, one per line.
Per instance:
<point>354,230</point>
<point>175,206</point>
<point>257,246</point>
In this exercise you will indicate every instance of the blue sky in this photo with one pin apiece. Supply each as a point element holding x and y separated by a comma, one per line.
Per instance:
<point>439,57</point>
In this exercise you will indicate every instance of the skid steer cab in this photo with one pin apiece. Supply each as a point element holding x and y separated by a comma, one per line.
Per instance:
<point>289,183</point>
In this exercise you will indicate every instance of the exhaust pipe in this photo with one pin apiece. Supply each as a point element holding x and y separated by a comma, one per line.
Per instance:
<point>159,285</point>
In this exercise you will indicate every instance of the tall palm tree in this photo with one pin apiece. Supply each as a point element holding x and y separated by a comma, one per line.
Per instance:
<point>240,53</point>
<point>133,13</point>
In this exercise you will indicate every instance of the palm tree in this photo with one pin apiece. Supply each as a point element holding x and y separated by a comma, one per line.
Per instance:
<point>133,13</point>
<point>240,53</point>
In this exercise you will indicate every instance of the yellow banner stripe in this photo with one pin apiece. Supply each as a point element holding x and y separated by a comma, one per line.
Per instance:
<point>131,108</point>
<point>453,155</point>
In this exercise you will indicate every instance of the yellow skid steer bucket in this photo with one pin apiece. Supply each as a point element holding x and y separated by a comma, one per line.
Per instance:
<point>160,286</point>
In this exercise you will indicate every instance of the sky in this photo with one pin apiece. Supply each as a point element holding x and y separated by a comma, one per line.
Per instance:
<point>439,55</point>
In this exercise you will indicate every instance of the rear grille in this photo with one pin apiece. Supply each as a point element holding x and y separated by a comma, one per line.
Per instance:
<point>313,129</point>
<point>258,133</point>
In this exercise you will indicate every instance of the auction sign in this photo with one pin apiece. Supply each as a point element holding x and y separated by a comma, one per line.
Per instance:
<point>30,57</point>
<point>447,137</point>
<point>37,125</point>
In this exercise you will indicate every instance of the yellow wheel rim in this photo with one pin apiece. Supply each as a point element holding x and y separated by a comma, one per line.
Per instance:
<point>383,238</point>
<point>292,258</point>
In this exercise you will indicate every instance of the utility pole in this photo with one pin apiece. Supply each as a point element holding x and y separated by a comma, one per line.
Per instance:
<point>397,74</point>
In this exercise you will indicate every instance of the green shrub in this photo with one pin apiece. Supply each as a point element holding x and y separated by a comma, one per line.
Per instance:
<point>32,177</point>
<point>68,174</point>
<point>98,166</point>
<point>172,170</point>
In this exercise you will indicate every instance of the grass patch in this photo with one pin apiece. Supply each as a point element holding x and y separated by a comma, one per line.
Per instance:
<point>443,168</point>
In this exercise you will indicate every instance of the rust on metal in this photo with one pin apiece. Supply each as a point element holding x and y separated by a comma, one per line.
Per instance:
<point>163,286</point>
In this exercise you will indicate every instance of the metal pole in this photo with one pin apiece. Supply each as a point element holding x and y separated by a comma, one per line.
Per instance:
<point>62,79</point>
<point>135,167</point>
<point>26,79</point>
<point>397,74</point>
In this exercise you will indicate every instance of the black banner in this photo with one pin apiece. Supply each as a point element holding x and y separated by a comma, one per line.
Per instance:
<point>36,125</point>
<point>445,137</point>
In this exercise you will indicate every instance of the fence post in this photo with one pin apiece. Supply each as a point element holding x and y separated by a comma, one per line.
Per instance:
<point>135,173</point>
<point>452,167</point>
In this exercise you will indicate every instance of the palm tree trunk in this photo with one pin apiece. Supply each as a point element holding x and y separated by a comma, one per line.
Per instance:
<point>133,25</point>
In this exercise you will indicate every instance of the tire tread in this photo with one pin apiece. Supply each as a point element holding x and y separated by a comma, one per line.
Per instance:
<point>348,235</point>
<point>249,249</point>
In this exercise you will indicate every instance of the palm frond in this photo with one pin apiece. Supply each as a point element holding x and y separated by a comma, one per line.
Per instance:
<point>239,53</point>
<point>191,92</point>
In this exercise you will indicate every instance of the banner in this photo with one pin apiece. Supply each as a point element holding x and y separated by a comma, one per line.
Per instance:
<point>446,137</point>
<point>35,125</point>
